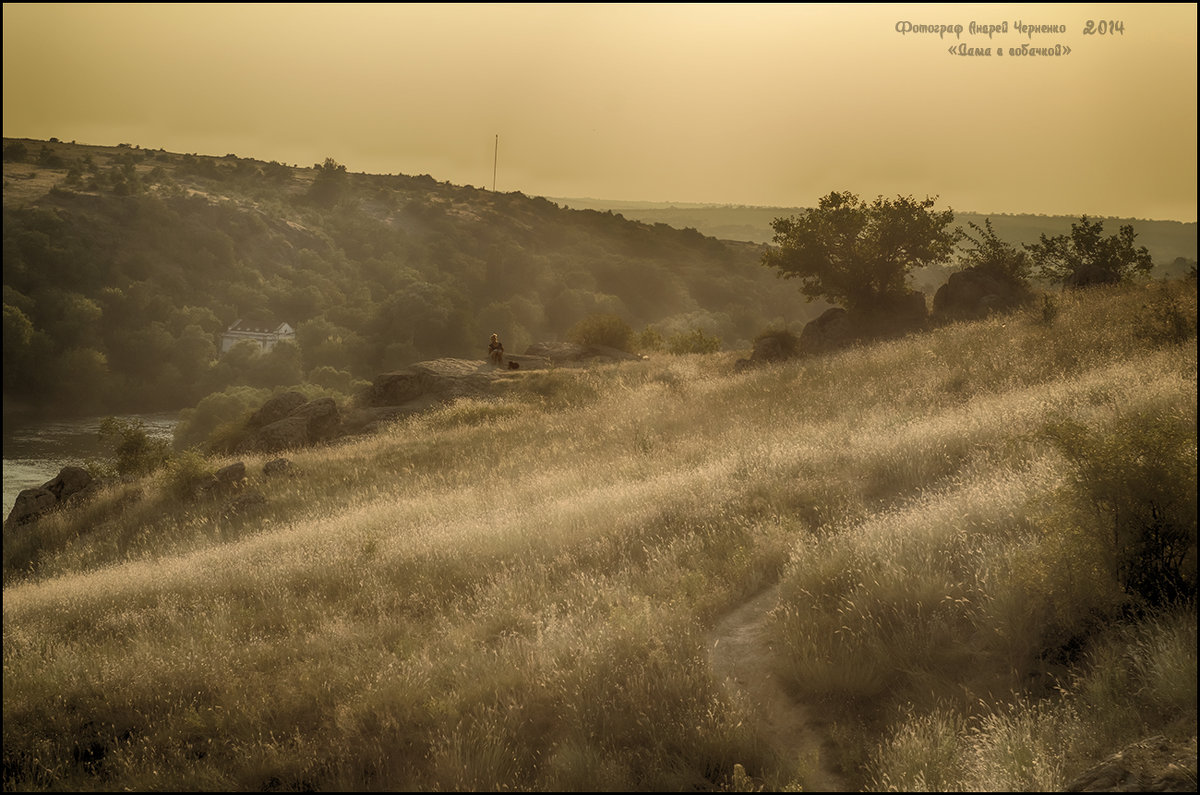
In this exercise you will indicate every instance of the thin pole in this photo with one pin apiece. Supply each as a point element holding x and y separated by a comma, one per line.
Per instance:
<point>495,155</point>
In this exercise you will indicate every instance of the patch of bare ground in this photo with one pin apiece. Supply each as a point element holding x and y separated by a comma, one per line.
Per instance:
<point>743,658</point>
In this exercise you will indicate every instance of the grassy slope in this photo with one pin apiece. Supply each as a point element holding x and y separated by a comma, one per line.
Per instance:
<point>516,593</point>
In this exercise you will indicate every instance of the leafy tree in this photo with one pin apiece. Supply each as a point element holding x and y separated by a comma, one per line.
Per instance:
<point>279,366</point>
<point>331,378</point>
<point>330,183</point>
<point>18,340</point>
<point>602,329</point>
<point>990,255</point>
<point>860,255</point>
<point>1086,257</point>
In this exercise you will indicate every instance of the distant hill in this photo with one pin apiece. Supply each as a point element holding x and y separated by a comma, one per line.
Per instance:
<point>123,265</point>
<point>1166,240</point>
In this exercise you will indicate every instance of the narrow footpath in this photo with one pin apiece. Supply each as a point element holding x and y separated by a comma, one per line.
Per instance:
<point>742,658</point>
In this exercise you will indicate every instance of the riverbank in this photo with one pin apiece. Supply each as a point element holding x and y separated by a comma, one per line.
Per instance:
<point>35,450</point>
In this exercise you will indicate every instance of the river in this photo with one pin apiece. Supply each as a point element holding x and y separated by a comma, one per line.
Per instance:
<point>35,451</point>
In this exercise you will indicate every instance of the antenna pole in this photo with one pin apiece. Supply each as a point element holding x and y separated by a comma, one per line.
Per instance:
<point>495,156</point>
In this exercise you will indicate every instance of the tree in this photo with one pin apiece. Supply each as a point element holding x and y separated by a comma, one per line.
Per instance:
<point>990,255</point>
<point>1086,257</point>
<point>860,255</point>
<point>329,184</point>
<point>993,276</point>
<point>133,451</point>
<point>601,328</point>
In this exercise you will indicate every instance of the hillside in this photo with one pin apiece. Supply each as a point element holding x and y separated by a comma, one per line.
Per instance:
<point>122,266</point>
<point>966,559</point>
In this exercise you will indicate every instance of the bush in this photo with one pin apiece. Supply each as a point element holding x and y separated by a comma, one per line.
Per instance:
<point>186,472</point>
<point>602,329</point>
<point>1166,320</point>
<point>782,344</point>
<point>695,341</point>
<point>198,426</point>
<point>1139,477</point>
<point>135,454</point>
<point>332,378</point>
<point>651,339</point>
<point>16,152</point>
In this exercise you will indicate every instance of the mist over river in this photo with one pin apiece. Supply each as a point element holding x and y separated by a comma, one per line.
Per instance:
<point>35,450</point>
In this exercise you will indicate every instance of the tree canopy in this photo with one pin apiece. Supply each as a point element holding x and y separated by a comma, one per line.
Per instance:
<point>1087,257</point>
<point>860,255</point>
<point>987,253</point>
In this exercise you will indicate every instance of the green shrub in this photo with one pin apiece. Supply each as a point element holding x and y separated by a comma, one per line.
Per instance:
<point>784,342</point>
<point>1139,478</point>
<point>695,341</point>
<point>332,378</point>
<point>198,426</point>
<point>186,472</point>
<point>602,329</point>
<point>1166,320</point>
<point>134,452</point>
<point>651,339</point>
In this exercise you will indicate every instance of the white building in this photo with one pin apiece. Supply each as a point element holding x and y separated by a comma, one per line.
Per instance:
<point>265,333</point>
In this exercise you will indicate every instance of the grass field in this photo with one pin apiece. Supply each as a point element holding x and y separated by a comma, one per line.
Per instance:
<point>983,538</point>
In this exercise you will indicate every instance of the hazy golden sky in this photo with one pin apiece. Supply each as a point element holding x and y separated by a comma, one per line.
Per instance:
<point>741,104</point>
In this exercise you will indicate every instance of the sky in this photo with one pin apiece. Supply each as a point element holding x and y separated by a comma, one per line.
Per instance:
<point>761,105</point>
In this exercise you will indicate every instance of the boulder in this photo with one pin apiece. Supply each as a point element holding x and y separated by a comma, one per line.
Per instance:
<point>775,346</point>
<point>276,409</point>
<point>427,384</point>
<point>32,503</point>
<point>970,294</point>
<point>69,481</point>
<point>232,474</point>
<point>323,418</point>
<point>289,433</point>
<point>829,332</point>
<point>278,466</point>
<point>838,328</point>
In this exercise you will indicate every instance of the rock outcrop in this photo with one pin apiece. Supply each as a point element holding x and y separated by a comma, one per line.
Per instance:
<point>971,293</point>
<point>565,354</point>
<point>839,328</point>
<point>291,421</point>
<point>32,503</point>
<point>428,384</point>
<point>771,347</point>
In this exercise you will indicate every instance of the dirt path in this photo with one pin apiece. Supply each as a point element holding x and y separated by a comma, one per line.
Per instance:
<point>742,658</point>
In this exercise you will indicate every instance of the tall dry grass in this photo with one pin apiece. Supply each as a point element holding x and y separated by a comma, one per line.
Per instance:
<point>516,593</point>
